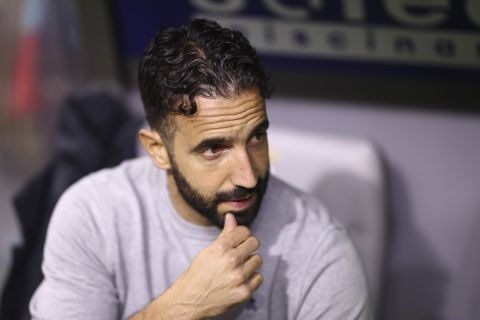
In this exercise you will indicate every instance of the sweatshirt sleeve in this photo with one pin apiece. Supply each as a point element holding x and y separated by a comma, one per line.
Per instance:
<point>334,285</point>
<point>77,283</point>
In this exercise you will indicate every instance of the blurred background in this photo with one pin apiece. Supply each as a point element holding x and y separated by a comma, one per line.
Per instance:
<point>380,99</point>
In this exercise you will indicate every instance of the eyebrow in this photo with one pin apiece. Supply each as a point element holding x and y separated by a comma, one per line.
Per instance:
<point>261,126</point>
<point>210,142</point>
<point>226,141</point>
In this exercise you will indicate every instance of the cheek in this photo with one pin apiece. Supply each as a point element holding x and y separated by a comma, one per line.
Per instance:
<point>208,180</point>
<point>261,158</point>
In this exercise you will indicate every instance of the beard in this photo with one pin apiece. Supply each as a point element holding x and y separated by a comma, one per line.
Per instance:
<point>208,207</point>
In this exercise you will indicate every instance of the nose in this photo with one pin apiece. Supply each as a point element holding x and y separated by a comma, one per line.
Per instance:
<point>243,172</point>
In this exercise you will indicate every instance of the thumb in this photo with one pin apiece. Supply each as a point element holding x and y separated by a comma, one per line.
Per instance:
<point>230,222</point>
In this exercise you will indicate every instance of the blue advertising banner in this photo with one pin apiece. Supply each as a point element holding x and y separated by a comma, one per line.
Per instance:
<point>433,36</point>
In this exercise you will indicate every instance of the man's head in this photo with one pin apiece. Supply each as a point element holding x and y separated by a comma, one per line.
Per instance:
<point>204,91</point>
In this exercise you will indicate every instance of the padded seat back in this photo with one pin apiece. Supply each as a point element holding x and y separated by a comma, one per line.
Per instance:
<point>346,174</point>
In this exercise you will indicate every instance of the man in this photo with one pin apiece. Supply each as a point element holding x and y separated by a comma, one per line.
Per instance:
<point>177,235</point>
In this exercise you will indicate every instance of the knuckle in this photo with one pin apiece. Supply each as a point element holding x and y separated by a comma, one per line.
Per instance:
<point>222,246</point>
<point>238,278</point>
<point>244,293</point>
<point>233,260</point>
<point>247,233</point>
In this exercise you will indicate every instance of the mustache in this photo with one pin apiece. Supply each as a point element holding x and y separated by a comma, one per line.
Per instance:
<point>235,194</point>
<point>241,192</point>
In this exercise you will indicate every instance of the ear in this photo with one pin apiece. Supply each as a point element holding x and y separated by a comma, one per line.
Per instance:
<point>156,148</point>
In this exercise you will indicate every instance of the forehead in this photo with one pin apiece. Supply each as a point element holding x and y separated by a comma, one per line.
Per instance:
<point>223,116</point>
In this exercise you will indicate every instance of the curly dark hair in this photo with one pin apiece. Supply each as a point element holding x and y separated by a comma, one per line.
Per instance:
<point>200,58</point>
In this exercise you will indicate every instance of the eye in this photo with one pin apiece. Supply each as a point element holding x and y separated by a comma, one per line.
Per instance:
<point>213,152</point>
<point>257,138</point>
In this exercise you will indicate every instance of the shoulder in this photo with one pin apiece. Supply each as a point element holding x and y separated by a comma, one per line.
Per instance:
<point>105,197</point>
<point>296,225</point>
<point>128,172</point>
<point>107,186</point>
<point>298,219</point>
<point>321,259</point>
<point>94,211</point>
<point>296,209</point>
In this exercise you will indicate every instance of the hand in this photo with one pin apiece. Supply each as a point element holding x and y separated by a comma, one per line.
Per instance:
<point>222,275</point>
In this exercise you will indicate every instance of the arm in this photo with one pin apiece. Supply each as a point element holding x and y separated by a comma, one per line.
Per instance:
<point>77,281</point>
<point>220,277</point>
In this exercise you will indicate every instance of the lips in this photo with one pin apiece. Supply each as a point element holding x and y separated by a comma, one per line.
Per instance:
<point>242,203</point>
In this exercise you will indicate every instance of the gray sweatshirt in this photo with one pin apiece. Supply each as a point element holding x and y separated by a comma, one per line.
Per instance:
<point>115,242</point>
